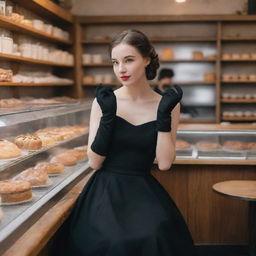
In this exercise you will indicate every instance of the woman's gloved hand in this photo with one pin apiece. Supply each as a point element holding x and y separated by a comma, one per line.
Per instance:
<point>171,97</point>
<point>107,101</point>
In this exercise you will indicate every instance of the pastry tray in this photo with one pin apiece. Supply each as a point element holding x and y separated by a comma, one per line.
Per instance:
<point>16,215</point>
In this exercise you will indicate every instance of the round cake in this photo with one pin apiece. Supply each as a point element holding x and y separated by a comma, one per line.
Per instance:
<point>65,158</point>
<point>50,168</point>
<point>234,145</point>
<point>34,176</point>
<point>208,145</point>
<point>30,142</point>
<point>182,144</point>
<point>15,191</point>
<point>8,150</point>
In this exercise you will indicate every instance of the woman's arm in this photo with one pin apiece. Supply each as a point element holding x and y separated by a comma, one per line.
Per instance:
<point>95,160</point>
<point>165,148</point>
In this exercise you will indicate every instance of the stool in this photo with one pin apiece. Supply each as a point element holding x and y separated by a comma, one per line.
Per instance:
<point>242,190</point>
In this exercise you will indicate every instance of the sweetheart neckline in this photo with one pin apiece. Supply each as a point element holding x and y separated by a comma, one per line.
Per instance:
<point>134,125</point>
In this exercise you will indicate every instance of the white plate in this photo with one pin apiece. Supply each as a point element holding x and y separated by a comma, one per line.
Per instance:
<point>14,203</point>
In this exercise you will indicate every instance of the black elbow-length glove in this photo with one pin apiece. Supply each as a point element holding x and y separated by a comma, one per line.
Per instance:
<point>169,100</point>
<point>107,101</point>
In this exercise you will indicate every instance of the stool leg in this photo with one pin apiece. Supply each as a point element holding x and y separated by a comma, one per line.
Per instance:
<point>252,228</point>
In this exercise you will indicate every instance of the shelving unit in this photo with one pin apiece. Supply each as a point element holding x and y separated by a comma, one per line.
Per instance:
<point>45,10</point>
<point>216,30</point>
<point>29,30</point>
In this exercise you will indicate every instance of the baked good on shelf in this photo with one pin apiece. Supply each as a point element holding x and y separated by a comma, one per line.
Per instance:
<point>47,139</point>
<point>29,141</point>
<point>252,77</point>
<point>226,77</point>
<point>78,154</point>
<point>35,177</point>
<point>209,77</point>
<point>211,57</point>
<point>8,150</point>
<point>234,77</point>
<point>167,54</point>
<point>236,56</point>
<point>82,148</point>
<point>243,77</point>
<point>65,158</point>
<point>12,102</point>
<point>226,56</point>
<point>253,56</point>
<point>197,55</point>
<point>234,145</point>
<point>88,79</point>
<point>6,75</point>
<point>245,56</point>
<point>182,144</point>
<point>208,145</point>
<point>15,191</point>
<point>251,146</point>
<point>50,167</point>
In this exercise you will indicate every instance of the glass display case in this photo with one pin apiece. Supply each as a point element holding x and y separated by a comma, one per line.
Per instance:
<point>67,127</point>
<point>216,144</point>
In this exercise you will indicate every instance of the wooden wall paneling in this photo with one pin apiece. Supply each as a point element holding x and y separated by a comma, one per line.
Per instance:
<point>211,218</point>
<point>175,182</point>
<point>218,74</point>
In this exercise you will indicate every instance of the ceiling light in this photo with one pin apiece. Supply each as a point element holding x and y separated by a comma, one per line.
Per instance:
<point>180,1</point>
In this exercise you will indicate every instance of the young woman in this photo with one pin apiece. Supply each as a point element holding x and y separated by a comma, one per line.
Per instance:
<point>123,210</point>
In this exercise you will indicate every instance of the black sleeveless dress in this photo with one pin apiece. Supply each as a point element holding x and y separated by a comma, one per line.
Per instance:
<point>123,210</point>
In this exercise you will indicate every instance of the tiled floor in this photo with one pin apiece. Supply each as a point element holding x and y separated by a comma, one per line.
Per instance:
<point>204,250</point>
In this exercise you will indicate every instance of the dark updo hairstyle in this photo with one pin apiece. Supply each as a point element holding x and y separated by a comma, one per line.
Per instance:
<point>140,41</point>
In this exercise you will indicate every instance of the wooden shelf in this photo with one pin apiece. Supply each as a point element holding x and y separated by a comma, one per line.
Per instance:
<point>103,64</point>
<point>29,30</point>
<point>36,84</point>
<point>238,82</point>
<point>249,60</point>
<point>186,60</point>
<point>195,83</point>
<point>96,41</point>
<point>238,100</point>
<point>197,121</point>
<point>47,9</point>
<point>238,38</point>
<point>182,39</point>
<point>156,40</point>
<point>108,84</point>
<point>239,118</point>
<point>179,83</point>
<point>30,60</point>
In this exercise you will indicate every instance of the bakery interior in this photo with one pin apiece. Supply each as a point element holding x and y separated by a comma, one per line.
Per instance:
<point>54,54</point>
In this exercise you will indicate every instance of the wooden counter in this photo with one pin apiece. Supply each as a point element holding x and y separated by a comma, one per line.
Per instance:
<point>212,219</point>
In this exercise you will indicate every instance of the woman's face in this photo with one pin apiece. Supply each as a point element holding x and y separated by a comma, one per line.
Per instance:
<point>128,64</point>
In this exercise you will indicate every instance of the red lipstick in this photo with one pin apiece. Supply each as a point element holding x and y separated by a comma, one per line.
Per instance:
<point>124,78</point>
